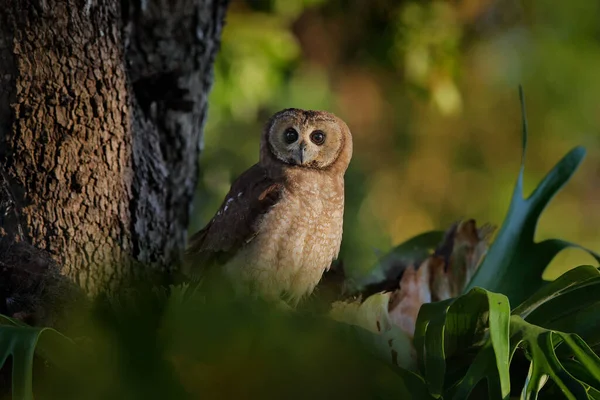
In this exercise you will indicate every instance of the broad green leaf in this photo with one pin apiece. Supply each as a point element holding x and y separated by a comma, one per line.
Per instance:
<point>544,351</point>
<point>584,322</point>
<point>499,315</point>
<point>480,327</point>
<point>571,303</point>
<point>428,313</point>
<point>534,382</point>
<point>579,371</point>
<point>491,308</point>
<point>576,311</point>
<point>466,321</point>
<point>21,342</point>
<point>435,357</point>
<point>568,281</point>
<point>540,345</point>
<point>514,263</point>
<point>450,327</point>
<point>482,367</point>
<point>584,355</point>
<point>593,394</point>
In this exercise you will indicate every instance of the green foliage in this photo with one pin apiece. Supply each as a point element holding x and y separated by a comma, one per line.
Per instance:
<point>481,319</point>
<point>174,344</point>
<point>570,304</point>
<point>248,68</point>
<point>424,50</point>
<point>444,329</point>
<point>291,355</point>
<point>514,263</point>
<point>459,342</point>
<point>462,341</point>
<point>21,342</point>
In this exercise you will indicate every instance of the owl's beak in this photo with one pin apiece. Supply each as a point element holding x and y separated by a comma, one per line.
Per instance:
<point>301,151</point>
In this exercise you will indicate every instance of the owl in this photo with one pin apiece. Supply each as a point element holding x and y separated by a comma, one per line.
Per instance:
<point>280,226</point>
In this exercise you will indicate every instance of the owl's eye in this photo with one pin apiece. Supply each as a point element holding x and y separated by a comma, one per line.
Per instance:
<point>317,137</point>
<point>290,135</point>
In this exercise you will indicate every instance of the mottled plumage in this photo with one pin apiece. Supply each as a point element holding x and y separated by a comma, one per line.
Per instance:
<point>280,226</point>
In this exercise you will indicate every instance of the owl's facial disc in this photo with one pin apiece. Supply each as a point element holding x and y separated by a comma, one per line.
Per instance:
<point>305,139</point>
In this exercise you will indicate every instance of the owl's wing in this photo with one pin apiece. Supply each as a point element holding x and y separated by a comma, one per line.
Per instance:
<point>236,223</point>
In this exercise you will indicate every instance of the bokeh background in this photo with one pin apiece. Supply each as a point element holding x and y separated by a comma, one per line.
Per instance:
<point>430,92</point>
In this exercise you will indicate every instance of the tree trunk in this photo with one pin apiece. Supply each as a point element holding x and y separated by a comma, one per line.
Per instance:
<point>102,104</point>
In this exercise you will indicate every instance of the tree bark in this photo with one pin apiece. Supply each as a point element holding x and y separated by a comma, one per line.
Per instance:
<point>102,104</point>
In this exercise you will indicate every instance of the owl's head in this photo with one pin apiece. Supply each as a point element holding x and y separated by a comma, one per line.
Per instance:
<point>307,139</point>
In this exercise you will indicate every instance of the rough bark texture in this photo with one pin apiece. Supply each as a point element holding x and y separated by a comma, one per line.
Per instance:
<point>102,104</point>
<point>170,50</point>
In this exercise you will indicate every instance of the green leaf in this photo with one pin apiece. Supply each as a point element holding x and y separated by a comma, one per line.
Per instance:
<point>447,328</point>
<point>568,281</point>
<point>481,368</point>
<point>540,345</point>
<point>514,263</point>
<point>585,356</point>
<point>429,315</point>
<point>571,303</point>
<point>435,358</point>
<point>579,371</point>
<point>574,311</point>
<point>544,351</point>
<point>499,315</point>
<point>478,327</point>
<point>21,342</point>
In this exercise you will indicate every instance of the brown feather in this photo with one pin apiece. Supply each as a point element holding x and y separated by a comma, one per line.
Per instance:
<point>251,195</point>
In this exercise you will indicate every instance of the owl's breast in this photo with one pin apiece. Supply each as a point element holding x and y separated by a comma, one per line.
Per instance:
<point>296,242</point>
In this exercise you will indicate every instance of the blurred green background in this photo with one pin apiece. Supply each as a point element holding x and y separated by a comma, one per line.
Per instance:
<point>430,92</point>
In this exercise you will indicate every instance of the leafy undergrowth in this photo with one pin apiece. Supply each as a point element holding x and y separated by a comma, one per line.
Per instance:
<point>176,345</point>
<point>441,316</point>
